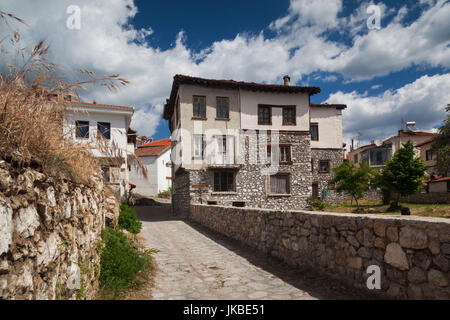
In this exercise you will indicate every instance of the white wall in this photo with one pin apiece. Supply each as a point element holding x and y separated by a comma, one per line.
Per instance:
<point>157,171</point>
<point>330,127</point>
<point>249,110</point>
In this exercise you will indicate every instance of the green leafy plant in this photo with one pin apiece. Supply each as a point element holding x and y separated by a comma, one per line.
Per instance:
<point>122,260</point>
<point>403,174</point>
<point>441,145</point>
<point>317,204</point>
<point>352,180</point>
<point>128,219</point>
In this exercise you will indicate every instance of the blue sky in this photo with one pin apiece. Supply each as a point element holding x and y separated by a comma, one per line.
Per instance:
<point>398,71</point>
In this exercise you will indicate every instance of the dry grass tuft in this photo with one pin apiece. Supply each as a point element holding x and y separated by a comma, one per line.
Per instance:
<point>31,120</point>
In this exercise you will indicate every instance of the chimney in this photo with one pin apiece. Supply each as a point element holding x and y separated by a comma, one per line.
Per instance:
<point>287,80</point>
<point>352,145</point>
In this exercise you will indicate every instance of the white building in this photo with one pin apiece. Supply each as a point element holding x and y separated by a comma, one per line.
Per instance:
<point>155,156</point>
<point>104,128</point>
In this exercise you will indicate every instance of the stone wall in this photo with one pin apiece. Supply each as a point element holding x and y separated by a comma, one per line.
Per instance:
<point>335,157</point>
<point>431,198</point>
<point>50,235</point>
<point>413,253</point>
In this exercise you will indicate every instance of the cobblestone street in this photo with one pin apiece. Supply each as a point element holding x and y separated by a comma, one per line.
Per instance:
<point>194,263</point>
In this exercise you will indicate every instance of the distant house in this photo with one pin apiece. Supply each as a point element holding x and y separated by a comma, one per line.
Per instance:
<point>439,185</point>
<point>376,154</point>
<point>428,155</point>
<point>155,156</point>
<point>106,129</point>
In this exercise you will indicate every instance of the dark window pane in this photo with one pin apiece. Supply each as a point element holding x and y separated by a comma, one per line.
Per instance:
<point>224,181</point>
<point>199,107</point>
<point>279,184</point>
<point>314,131</point>
<point>104,129</point>
<point>82,129</point>
<point>315,190</point>
<point>289,115</point>
<point>285,153</point>
<point>324,166</point>
<point>264,115</point>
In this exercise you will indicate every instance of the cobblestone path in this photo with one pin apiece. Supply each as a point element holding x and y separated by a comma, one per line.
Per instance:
<point>194,263</point>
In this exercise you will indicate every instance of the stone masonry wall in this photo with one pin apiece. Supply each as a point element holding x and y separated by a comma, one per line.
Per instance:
<point>335,158</point>
<point>50,235</point>
<point>251,181</point>
<point>413,253</point>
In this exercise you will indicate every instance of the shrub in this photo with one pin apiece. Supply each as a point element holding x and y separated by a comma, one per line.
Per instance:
<point>121,261</point>
<point>165,194</point>
<point>128,219</point>
<point>317,204</point>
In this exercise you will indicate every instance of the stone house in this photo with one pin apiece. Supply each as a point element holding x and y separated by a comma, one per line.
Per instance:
<point>247,144</point>
<point>106,129</point>
<point>428,155</point>
<point>155,156</point>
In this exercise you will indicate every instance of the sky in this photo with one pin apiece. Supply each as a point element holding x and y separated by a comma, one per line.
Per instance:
<point>388,72</point>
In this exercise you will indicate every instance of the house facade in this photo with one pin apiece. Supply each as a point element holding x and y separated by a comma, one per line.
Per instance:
<point>155,156</point>
<point>248,144</point>
<point>105,129</point>
<point>428,155</point>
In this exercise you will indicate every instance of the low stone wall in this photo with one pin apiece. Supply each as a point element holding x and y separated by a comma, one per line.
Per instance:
<point>413,253</point>
<point>429,198</point>
<point>50,235</point>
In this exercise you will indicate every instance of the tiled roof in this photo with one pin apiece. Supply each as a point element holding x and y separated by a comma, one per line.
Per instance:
<point>163,142</point>
<point>99,105</point>
<point>439,180</point>
<point>331,105</point>
<point>425,142</point>
<point>151,151</point>
<point>229,84</point>
<point>154,148</point>
<point>415,134</point>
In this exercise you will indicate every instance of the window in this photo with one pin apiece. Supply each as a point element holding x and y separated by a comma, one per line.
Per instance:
<point>199,146</point>
<point>428,155</point>
<point>225,149</point>
<point>289,116</point>
<point>355,158</point>
<point>82,129</point>
<point>279,184</point>
<point>104,129</point>
<point>264,115</point>
<point>222,109</point>
<point>324,166</point>
<point>105,171</point>
<point>315,190</point>
<point>314,131</point>
<point>223,181</point>
<point>199,107</point>
<point>285,153</point>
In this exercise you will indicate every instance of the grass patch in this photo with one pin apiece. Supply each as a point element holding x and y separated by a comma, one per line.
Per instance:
<point>128,219</point>
<point>377,207</point>
<point>124,264</point>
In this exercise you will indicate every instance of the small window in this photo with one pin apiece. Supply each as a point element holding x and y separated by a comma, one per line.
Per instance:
<point>279,184</point>
<point>82,129</point>
<point>355,158</point>
<point>429,155</point>
<point>199,146</point>
<point>223,181</point>
<point>264,115</point>
<point>222,109</point>
<point>104,129</point>
<point>315,190</point>
<point>239,204</point>
<point>211,202</point>
<point>199,107</point>
<point>314,132</point>
<point>324,166</point>
<point>289,116</point>
<point>285,153</point>
<point>105,172</point>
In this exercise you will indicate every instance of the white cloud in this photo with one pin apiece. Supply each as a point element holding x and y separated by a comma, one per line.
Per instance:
<point>107,44</point>
<point>380,116</point>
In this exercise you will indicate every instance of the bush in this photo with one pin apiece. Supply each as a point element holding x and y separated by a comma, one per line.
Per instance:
<point>121,261</point>
<point>128,219</point>
<point>317,204</point>
<point>165,194</point>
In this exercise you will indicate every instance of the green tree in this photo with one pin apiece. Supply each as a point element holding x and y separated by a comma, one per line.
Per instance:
<point>441,145</point>
<point>403,174</point>
<point>352,180</point>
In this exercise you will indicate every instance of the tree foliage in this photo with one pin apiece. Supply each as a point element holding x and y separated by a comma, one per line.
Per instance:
<point>403,174</point>
<point>352,180</point>
<point>441,145</point>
